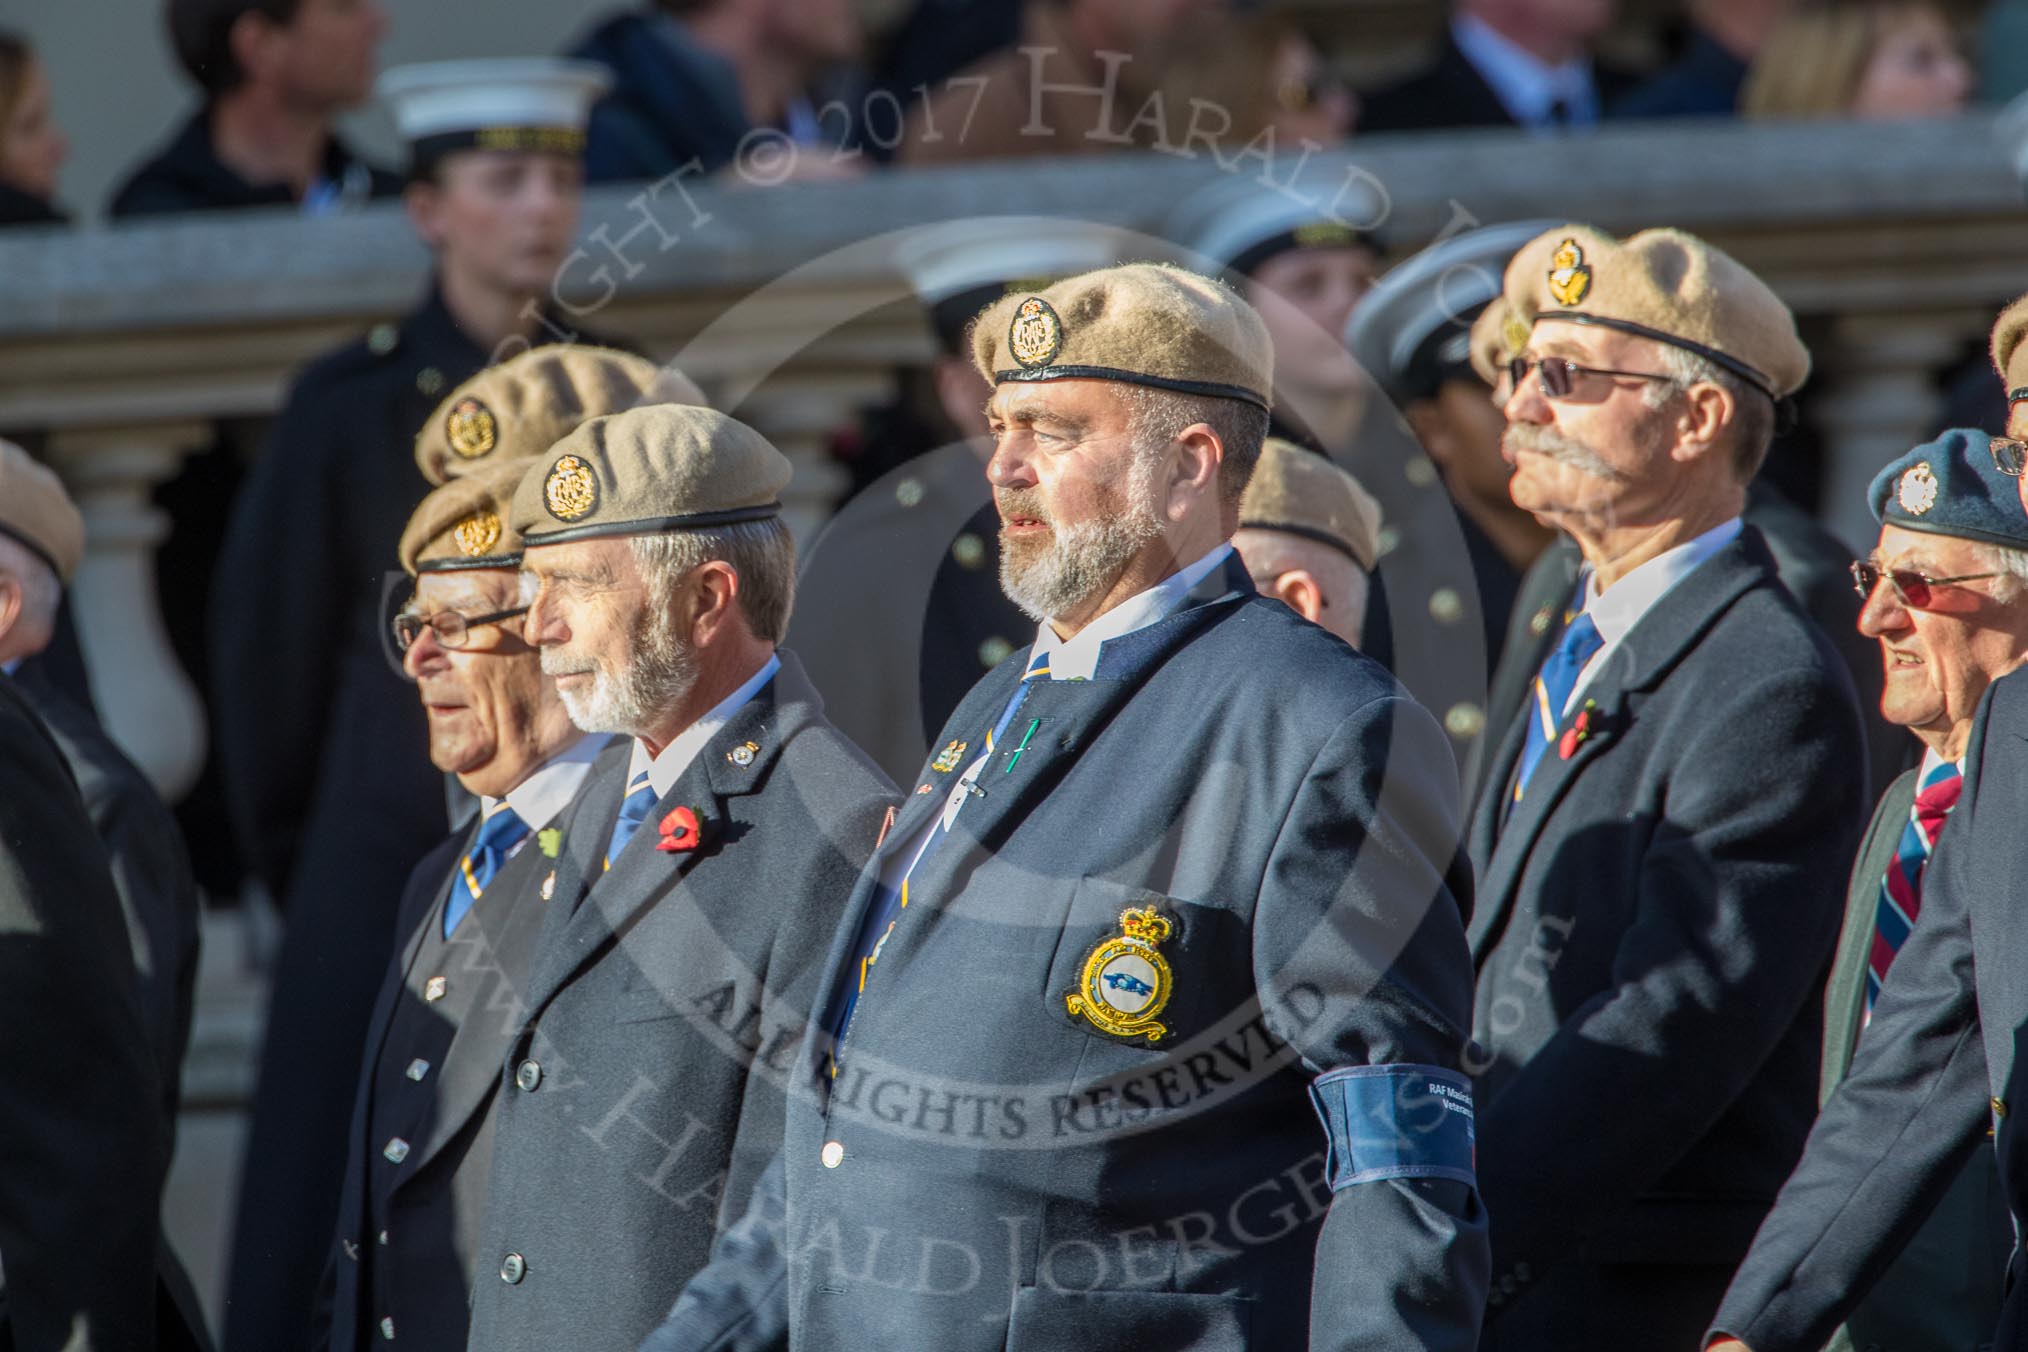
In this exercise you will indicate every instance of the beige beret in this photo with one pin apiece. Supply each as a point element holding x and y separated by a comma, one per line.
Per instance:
<point>36,511</point>
<point>665,467</point>
<point>1141,323</point>
<point>1664,285</point>
<point>524,406</point>
<point>463,523</point>
<point>2007,334</point>
<point>1302,493</point>
<point>1498,335</point>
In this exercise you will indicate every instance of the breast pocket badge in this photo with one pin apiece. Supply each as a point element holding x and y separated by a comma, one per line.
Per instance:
<point>1126,982</point>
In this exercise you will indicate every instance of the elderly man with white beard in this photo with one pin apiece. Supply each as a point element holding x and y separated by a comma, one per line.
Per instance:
<point>1143,1028</point>
<point>694,889</point>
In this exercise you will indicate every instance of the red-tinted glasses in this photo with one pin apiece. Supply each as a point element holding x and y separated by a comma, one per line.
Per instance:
<point>1912,588</point>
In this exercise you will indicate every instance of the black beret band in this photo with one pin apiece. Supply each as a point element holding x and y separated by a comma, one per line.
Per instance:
<point>1308,533</point>
<point>1204,387</point>
<point>456,564</point>
<point>653,525</point>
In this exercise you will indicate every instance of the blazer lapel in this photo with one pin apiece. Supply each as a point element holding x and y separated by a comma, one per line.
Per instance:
<point>1646,654</point>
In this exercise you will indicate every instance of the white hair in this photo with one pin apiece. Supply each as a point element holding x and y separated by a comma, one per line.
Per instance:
<point>1753,419</point>
<point>2012,564</point>
<point>762,553</point>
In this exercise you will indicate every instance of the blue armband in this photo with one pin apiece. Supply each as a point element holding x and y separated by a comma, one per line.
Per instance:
<point>1399,1121</point>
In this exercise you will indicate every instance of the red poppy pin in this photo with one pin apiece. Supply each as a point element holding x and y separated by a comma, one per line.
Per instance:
<point>681,831</point>
<point>1578,732</point>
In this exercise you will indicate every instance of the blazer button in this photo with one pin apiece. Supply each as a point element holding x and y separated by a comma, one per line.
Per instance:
<point>1999,1107</point>
<point>834,1154</point>
<point>528,1076</point>
<point>513,1268</point>
<point>418,1068</point>
<point>383,1237</point>
<point>387,1329</point>
<point>396,1150</point>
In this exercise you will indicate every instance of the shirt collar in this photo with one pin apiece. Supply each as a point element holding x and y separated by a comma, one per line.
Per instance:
<point>1931,763</point>
<point>538,799</point>
<point>1617,609</point>
<point>1077,657</point>
<point>1525,85</point>
<point>664,770</point>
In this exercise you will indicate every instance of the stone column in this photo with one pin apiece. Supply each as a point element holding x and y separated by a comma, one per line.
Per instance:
<point>1881,398</point>
<point>149,705</point>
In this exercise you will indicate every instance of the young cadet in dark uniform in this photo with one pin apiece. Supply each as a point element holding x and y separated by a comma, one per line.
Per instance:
<point>275,75</point>
<point>416,1167</point>
<point>321,750</point>
<point>1663,833</point>
<point>699,880</point>
<point>1181,886</point>
<point>1937,1076</point>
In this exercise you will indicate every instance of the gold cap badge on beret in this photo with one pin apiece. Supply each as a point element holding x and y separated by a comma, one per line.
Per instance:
<point>1666,286</point>
<point>648,471</point>
<point>471,429</point>
<point>477,534</point>
<point>1569,274</point>
<point>1917,493</point>
<point>462,524</point>
<point>1138,324</point>
<point>571,490</point>
<point>1036,335</point>
<point>528,403</point>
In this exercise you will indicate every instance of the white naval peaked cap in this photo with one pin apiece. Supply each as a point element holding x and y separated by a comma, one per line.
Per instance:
<point>1237,221</point>
<point>523,103</point>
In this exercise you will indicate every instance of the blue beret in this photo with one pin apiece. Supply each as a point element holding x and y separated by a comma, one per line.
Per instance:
<point>1950,487</point>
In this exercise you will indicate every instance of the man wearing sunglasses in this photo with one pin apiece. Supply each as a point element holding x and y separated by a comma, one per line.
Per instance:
<point>1944,597</point>
<point>1936,1075</point>
<point>1661,834</point>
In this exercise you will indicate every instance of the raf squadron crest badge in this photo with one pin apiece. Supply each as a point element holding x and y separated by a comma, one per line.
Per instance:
<point>1126,981</point>
<point>947,759</point>
<point>471,429</point>
<point>1036,335</point>
<point>476,534</point>
<point>1918,490</point>
<point>1569,274</point>
<point>571,490</point>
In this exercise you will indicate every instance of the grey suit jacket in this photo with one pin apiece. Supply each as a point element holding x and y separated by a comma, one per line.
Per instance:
<point>990,1172</point>
<point>1654,919</point>
<point>642,1086</point>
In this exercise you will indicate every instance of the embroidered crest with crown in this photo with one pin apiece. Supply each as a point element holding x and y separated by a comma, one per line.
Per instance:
<point>1126,982</point>
<point>471,429</point>
<point>947,759</point>
<point>477,533</point>
<point>1569,274</point>
<point>571,490</point>
<point>1036,335</point>
<point>1917,492</point>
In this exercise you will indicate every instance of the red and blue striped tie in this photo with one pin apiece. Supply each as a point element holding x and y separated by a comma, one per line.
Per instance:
<point>1901,889</point>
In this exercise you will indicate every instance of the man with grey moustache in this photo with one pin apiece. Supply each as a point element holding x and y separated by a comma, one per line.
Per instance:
<point>1661,837</point>
<point>696,885</point>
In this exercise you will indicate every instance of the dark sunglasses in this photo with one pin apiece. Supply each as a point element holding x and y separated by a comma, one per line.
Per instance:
<point>2010,456</point>
<point>453,630</point>
<point>1912,588</point>
<point>1560,377</point>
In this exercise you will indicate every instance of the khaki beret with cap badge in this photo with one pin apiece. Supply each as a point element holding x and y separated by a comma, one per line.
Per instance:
<point>463,523</point>
<point>37,513</point>
<point>528,403</point>
<point>1298,492</point>
<point>1667,286</point>
<point>647,471</point>
<point>1141,324</point>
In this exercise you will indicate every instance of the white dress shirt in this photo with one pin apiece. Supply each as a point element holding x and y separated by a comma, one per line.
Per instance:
<point>1619,608</point>
<point>664,770</point>
<point>1526,86</point>
<point>538,799</point>
<point>1077,657</point>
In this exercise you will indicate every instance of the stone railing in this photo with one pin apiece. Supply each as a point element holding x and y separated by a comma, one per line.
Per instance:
<point>121,344</point>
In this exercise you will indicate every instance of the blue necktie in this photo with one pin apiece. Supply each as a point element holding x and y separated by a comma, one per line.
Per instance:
<point>634,810</point>
<point>1551,691</point>
<point>889,902</point>
<point>498,836</point>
